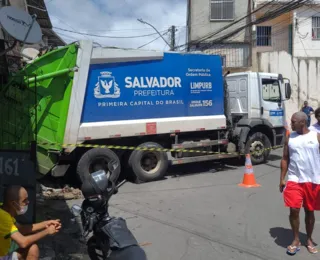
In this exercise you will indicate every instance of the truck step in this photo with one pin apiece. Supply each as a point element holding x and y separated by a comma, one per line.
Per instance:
<point>204,143</point>
<point>176,161</point>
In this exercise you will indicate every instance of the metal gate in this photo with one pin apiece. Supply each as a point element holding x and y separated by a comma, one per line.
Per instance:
<point>18,131</point>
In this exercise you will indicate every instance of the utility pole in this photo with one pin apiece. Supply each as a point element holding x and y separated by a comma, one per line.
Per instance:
<point>173,38</point>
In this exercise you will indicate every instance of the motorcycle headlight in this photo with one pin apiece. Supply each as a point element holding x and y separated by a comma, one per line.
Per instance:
<point>96,184</point>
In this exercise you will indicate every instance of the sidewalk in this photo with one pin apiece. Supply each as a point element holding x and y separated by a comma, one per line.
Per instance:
<point>66,244</point>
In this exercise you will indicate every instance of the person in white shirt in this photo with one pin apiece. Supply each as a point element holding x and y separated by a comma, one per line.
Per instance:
<point>316,127</point>
<point>301,160</point>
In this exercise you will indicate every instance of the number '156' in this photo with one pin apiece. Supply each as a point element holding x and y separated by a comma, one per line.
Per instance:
<point>9,166</point>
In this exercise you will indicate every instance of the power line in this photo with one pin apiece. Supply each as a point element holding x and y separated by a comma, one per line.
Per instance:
<point>268,16</point>
<point>106,36</point>
<point>210,35</point>
<point>221,50</point>
<point>293,5</point>
<point>151,41</point>
<point>276,32</point>
<point>264,18</point>
<point>144,22</point>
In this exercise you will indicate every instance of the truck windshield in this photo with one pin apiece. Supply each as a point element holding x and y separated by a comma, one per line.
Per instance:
<point>271,90</point>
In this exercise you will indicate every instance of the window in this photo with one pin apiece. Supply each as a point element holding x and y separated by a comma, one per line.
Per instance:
<point>263,35</point>
<point>316,28</point>
<point>271,90</point>
<point>222,10</point>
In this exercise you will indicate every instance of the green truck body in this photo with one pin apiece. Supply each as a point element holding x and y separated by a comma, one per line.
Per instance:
<point>34,105</point>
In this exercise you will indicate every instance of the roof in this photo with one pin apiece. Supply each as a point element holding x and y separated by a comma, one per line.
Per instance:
<point>39,8</point>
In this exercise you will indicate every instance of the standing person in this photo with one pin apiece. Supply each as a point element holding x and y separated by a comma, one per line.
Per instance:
<point>301,159</point>
<point>308,111</point>
<point>316,127</point>
<point>19,241</point>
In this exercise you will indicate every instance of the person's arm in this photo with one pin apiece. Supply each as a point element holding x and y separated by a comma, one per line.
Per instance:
<point>29,229</point>
<point>284,164</point>
<point>27,241</point>
<point>311,111</point>
<point>319,140</point>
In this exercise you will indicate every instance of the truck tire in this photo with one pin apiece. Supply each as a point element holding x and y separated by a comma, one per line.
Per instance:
<point>149,165</point>
<point>258,146</point>
<point>97,159</point>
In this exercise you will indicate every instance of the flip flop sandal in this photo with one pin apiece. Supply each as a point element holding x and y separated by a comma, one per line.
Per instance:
<point>295,248</point>
<point>312,249</point>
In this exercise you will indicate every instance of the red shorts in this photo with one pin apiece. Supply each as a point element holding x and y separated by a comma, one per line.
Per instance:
<point>306,194</point>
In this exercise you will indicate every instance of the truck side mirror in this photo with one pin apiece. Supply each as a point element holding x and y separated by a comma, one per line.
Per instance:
<point>287,88</point>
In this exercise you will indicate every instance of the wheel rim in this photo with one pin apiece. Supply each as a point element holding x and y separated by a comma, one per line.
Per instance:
<point>150,162</point>
<point>257,149</point>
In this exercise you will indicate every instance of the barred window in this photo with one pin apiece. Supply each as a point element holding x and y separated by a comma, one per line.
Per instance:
<point>222,10</point>
<point>264,35</point>
<point>316,28</point>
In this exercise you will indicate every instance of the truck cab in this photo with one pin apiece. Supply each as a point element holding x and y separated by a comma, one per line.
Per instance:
<point>257,110</point>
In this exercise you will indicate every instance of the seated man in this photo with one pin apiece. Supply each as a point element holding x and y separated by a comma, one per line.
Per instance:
<point>19,241</point>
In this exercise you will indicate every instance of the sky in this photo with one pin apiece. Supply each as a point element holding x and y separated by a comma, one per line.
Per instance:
<point>118,18</point>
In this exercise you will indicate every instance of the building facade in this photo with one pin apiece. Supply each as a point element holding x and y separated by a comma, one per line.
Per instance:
<point>219,27</point>
<point>296,32</point>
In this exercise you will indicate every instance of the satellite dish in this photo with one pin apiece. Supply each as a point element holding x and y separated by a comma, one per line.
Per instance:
<point>20,25</point>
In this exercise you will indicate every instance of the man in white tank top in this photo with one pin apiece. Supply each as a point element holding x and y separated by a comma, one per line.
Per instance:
<point>301,159</point>
<point>316,127</point>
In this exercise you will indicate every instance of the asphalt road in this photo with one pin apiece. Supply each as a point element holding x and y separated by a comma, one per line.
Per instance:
<point>199,212</point>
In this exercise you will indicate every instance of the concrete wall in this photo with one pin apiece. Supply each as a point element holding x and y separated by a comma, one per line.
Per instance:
<point>304,45</point>
<point>303,73</point>
<point>200,24</point>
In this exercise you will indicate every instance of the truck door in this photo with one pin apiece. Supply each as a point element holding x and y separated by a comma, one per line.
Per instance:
<point>270,100</point>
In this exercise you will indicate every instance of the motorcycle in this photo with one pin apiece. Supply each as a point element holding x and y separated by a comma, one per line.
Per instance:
<point>110,237</point>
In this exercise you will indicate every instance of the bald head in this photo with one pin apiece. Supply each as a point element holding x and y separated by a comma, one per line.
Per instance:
<point>300,116</point>
<point>299,122</point>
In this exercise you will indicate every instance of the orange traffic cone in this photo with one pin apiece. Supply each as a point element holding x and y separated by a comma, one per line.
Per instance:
<point>249,180</point>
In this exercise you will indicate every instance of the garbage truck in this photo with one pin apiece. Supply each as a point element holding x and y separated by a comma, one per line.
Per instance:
<point>146,109</point>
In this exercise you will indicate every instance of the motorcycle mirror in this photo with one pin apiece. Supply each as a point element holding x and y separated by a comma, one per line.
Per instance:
<point>76,210</point>
<point>113,165</point>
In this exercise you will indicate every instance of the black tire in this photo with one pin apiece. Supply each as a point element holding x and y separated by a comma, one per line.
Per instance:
<point>97,159</point>
<point>258,146</point>
<point>136,158</point>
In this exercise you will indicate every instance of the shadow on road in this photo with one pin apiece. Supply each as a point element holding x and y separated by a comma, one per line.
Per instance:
<point>213,166</point>
<point>274,157</point>
<point>283,236</point>
<point>66,244</point>
<point>198,168</point>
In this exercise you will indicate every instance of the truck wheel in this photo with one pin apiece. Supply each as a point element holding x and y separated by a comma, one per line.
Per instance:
<point>149,165</point>
<point>97,159</point>
<point>258,145</point>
